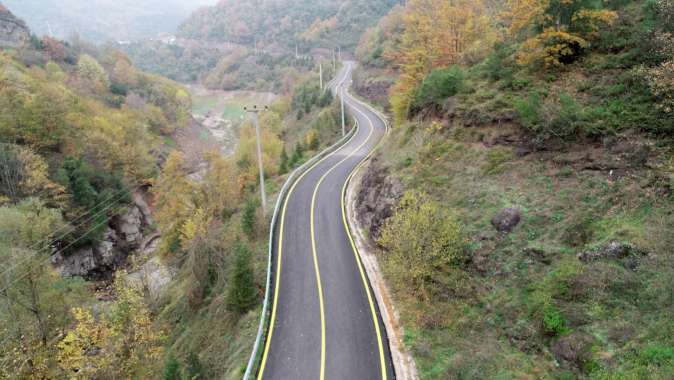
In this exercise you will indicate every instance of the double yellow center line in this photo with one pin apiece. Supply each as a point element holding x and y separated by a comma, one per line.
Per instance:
<point>315,256</point>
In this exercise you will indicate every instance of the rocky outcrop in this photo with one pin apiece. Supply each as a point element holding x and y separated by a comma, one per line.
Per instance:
<point>379,193</point>
<point>506,220</point>
<point>152,277</point>
<point>129,226</point>
<point>123,237</point>
<point>13,32</point>
<point>625,253</point>
<point>95,262</point>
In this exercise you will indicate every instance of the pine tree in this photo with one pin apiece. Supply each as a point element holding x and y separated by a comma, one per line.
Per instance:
<point>283,167</point>
<point>248,219</point>
<point>241,295</point>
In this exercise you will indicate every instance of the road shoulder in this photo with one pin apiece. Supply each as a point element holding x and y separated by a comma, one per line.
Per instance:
<point>403,363</point>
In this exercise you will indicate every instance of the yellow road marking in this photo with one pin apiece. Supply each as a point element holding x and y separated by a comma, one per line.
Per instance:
<point>315,256</point>
<point>357,254</point>
<point>313,245</point>
<point>280,256</point>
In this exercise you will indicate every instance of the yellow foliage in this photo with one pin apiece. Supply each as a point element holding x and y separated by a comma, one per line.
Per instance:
<point>550,48</point>
<point>562,37</point>
<point>661,82</point>
<point>420,240</point>
<point>219,192</point>
<point>437,34</point>
<point>80,353</point>
<point>122,344</point>
<point>173,201</point>
<point>246,153</point>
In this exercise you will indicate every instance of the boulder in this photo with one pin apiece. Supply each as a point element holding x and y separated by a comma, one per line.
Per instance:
<point>13,32</point>
<point>506,220</point>
<point>144,209</point>
<point>105,250</point>
<point>573,350</point>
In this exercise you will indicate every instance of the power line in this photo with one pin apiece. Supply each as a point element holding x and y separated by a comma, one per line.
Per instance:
<point>118,195</point>
<point>74,228</point>
<point>4,289</point>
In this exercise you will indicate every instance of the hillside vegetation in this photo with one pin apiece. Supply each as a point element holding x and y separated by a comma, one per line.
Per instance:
<point>533,143</point>
<point>80,130</point>
<point>252,44</point>
<point>104,20</point>
<point>83,134</point>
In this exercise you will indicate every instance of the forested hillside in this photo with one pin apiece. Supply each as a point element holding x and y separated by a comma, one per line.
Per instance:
<point>103,20</point>
<point>308,23</point>
<point>80,131</point>
<point>532,172</point>
<point>247,44</point>
<point>122,259</point>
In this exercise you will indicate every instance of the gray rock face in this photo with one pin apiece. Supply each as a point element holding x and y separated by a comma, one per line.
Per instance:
<point>152,277</point>
<point>377,198</point>
<point>13,31</point>
<point>506,220</point>
<point>123,237</point>
<point>91,262</point>
<point>79,263</point>
<point>129,227</point>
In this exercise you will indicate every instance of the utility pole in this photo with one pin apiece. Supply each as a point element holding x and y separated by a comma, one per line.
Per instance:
<point>255,113</point>
<point>320,69</point>
<point>341,96</point>
<point>334,61</point>
<point>297,52</point>
<point>340,53</point>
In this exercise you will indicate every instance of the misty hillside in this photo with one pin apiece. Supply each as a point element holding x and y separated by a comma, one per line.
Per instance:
<point>104,19</point>
<point>216,45</point>
<point>308,22</point>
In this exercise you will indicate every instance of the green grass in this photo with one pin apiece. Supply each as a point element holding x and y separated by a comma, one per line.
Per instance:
<point>470,332</point>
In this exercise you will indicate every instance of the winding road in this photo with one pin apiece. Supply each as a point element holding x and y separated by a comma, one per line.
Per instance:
<point>325,323</point>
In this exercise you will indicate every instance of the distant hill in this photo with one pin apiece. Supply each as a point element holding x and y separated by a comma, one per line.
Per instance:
<point>104,20</point>
<point>245,44</point>
<point>286,22</point>
<point>13,31</point>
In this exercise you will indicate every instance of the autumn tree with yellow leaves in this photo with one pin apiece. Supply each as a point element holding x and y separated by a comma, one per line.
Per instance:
<point>121,343</point>
<point>556,31</point>
<point>436,34</point>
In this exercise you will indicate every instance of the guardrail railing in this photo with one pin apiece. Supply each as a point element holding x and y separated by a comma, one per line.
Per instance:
<point>264,318</point>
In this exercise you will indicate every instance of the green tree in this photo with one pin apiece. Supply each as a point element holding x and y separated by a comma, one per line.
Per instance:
<point>241,295</point>
<point>421,239</point>
<point>438,86</point>
<point>249,219</point>
<point>283,166</point>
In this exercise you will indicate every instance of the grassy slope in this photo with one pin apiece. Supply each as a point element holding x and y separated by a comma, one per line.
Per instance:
<point>606,180</point>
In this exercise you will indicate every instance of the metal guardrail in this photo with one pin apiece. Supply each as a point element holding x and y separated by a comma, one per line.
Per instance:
<point>261,332</point>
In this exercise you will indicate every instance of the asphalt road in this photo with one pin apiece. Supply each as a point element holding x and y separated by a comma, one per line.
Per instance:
<point>325,321</point>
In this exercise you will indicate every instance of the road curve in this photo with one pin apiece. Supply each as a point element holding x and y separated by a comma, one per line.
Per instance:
<point>325,323</point>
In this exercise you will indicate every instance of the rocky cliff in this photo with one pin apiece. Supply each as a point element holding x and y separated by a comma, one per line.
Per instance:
<point>13,32</point>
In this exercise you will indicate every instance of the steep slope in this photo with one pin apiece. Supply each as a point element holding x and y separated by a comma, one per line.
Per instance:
<point>522,206</point>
